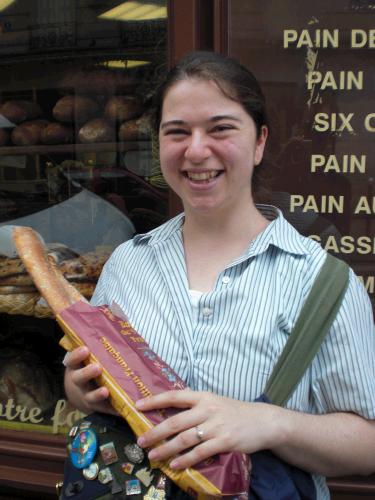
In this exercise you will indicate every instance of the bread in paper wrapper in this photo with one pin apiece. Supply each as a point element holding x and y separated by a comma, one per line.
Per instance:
<point>131,371</point>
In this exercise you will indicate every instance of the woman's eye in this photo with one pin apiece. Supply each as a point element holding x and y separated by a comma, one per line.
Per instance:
<point>175,131</point>
<point>222,128</point>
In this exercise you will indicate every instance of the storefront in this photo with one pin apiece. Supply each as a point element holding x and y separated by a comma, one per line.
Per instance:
<point>79,164</point>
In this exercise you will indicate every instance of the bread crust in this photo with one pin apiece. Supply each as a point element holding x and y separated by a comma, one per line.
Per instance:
<point>50,283</point>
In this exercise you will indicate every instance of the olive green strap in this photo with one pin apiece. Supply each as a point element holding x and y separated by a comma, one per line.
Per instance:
<point>313,323</point>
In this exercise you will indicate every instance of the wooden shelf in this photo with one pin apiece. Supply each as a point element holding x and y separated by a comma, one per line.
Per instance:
<point>41,149</point>
<point>31,461</point>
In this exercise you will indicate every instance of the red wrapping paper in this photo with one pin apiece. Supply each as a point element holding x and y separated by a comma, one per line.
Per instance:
<point>131,371</point>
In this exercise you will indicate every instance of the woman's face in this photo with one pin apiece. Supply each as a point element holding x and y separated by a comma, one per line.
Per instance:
<point>208,147</point>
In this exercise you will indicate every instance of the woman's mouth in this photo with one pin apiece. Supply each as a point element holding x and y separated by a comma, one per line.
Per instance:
<point>202,176</point>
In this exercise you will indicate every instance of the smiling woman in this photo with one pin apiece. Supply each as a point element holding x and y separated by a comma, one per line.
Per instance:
<point>217,290</point>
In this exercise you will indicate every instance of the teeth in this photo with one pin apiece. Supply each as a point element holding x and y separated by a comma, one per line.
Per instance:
<point>202,176</point>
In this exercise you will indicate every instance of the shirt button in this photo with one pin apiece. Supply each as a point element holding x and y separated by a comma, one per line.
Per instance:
<point>225,280</point>
<point>206,311</point>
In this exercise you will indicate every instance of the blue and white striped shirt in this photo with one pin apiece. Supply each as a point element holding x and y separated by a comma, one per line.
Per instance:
<point>232,344</point>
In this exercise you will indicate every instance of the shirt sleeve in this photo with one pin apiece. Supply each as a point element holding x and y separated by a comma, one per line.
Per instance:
<point>100,296</point>
<point>343,372</point>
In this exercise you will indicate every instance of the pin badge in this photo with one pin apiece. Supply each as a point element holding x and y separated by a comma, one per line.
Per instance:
<point>161,482</point>
<point>154,494</point>
<point>73,431</point>
<point>83,449</point>
<point>127,467</point>
<point>85,424</point>
<point>91,472</point>
<point>134,453</point>
<point>116,487</point>
<point>133,487</point>
<point>108,453</point>
<point>105,475</point>
<point>73,489</point>
<point>145,476</point>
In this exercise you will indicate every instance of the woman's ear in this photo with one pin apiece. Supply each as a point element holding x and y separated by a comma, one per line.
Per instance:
<point>260,144</point>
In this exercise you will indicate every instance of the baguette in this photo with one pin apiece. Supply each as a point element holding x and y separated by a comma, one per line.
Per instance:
<point>51,285</point>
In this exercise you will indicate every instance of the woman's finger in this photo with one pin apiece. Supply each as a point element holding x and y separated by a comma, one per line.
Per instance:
<point>97,395</point>
<point>97,400</point>
<point>83,376</point>
<point>197,454</point>
<point>75,358</point>
<point>169,399</point>
<point>170,427</point>
<point>183,441</point>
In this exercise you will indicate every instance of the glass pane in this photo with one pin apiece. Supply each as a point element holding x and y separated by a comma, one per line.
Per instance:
<point>77,162</point>
<point>315,63</point>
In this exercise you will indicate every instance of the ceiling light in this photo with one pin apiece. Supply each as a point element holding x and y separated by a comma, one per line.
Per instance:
<point>137,11</point>
<point>129,63</point>
<point>5,3</point>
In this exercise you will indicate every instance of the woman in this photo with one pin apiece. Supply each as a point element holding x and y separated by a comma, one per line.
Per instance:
<point>216,291</point>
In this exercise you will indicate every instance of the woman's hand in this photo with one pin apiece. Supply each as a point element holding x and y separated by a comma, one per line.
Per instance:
<point>210,424</point>
<point>80,386</point>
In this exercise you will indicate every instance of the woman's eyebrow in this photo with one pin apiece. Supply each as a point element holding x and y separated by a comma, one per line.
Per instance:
<point>218,118</point>
<point>213,119</point>
<point>172,122</point>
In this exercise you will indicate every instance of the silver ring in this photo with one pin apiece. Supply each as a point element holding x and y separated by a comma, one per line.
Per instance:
<point>199,433</point>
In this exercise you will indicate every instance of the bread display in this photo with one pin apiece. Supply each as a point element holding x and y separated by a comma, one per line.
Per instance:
<point>97,130</point>
<point>20,111</point>
<point>135,130</point>
<point>57,133</point>
<point>18,294</point>
<point>73,108</point>
<point>121,108</point>
<point>28,133</point>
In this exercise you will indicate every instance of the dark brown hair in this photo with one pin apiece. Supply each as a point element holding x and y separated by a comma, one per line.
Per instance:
<point>233,79</point>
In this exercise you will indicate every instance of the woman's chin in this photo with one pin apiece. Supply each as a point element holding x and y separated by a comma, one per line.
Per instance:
<point>204,207</point>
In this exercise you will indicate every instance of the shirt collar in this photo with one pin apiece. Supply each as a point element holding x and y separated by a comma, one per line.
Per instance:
<point>278,233</point>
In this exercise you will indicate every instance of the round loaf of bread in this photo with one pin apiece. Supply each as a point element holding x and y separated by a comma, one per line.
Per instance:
<point>97,130</point>
<point>73,108</point>
<point>135,130</point>
<point>28,133</point>
<point>121,108</point>
<point>56,133</point>
<point>20,111</point>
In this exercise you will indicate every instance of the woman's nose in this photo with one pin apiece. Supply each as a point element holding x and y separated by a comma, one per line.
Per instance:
<point>198,148</point>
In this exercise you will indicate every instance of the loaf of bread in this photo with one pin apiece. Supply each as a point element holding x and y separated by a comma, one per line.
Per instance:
<point>135,130</point>
<point>20,111</point>
<point>99,82</point>
<point>86,267</point>
<point>27,382</point>
<point>97,130</point>
<point>57,133</point>
<point>28,133</point>
<point>121,108</point>
<point>16,290</point>
<point>17,280</point>
<point>4,137</point>
<point>72,108</point>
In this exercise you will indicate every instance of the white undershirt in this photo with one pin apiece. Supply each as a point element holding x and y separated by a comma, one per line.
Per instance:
<point>195,295</point>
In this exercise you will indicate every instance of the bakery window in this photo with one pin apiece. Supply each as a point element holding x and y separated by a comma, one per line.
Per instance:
<point>78,163</point>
